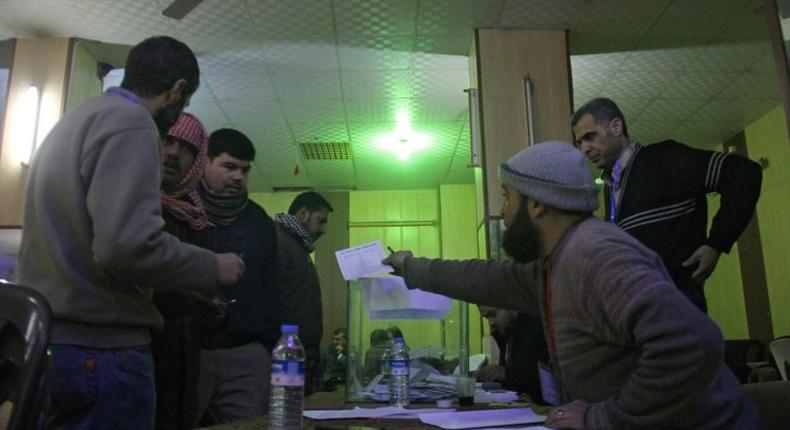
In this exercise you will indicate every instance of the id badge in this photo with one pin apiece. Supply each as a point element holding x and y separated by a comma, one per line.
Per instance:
<point>548,385</point>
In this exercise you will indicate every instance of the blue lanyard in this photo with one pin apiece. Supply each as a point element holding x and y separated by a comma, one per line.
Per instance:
<point>128,96</point>
<point>613,190</point>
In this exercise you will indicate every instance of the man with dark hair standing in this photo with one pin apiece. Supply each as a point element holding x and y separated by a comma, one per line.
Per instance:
<point>93,242</point>
<point>627,349</point>
<point>234,372</point>
<point>657,193</point>
<point>298,286</point>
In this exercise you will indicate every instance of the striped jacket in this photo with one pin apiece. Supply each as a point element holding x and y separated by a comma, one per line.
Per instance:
<point>663,203</point>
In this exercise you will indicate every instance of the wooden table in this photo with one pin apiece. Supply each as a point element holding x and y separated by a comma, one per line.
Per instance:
<point>335,400</point>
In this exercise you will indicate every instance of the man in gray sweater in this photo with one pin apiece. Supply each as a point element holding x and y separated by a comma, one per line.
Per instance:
<point>93,241</point>
<point>627,350</point>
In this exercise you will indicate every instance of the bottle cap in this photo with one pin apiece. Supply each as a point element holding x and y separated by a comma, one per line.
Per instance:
<point>289,329</point>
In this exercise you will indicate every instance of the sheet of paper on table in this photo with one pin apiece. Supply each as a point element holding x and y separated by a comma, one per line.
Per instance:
<point>483,418</point>
<point>362,261</point>
<point>357,412</point>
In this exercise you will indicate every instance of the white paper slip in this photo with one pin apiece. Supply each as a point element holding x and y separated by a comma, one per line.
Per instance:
<point>485,418</point>
<point>361,261</point>
<point>357,412</point>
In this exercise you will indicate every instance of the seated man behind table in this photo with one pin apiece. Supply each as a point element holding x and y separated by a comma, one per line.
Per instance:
<point>627,349</point>
<point>521,346</point>
<point>334,360</point>
<point>380,343</point>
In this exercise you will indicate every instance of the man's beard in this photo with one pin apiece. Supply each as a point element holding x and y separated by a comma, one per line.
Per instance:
<point>168,115</point>
<point>522,240</point>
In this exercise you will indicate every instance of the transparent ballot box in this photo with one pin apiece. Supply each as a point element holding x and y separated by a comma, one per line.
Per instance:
<point>435,329</point>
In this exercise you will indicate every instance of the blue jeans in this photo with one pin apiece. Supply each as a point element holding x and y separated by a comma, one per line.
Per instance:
<point>101,388</point>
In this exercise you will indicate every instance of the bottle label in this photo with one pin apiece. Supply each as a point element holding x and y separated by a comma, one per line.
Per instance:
<point>399,367</point>
<point>288,373</point>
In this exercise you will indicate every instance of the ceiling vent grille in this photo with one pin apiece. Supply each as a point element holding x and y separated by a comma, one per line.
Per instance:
<point>326,150</point>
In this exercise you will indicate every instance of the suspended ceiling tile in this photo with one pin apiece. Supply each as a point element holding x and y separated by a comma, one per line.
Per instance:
<point>40,18</point>
<point>666,60</point>
<point>6,31</point>
<point>215,24</point>
<point>246,112</point>
<point>590,80</point>
<point>441,62</point>
<point>448,44</point>
<point>440,83</point>
<point>731,57</point>
<point>270,134</point>
<point>705,134</point>
<point>650,131</point>
<point>292,20</point>
<point>633,18</point>
<point>631,107</point>
<point>320,111</point>
<point>698,85</point>
<point>208,113</point>
<point>307,86</point>
<point>377,110</point>
<point>355,18</point>
<point>541,14</point>
<point>766,64</point>
<point>452,16</point>
<point>330,173</point>
<point>380,84</point>
<point>580,97</point>
<point>583,42</point>
<point>320,132</point>
<point>738,112</point>
<point>753,85</point>
<point>257,183</point>
<point>750,25</point>
<point>300,56</point>
<point>670,110</point>
<point>125,21</point>
<point>237,75</point>
<point>638,84</point>
<point>697,18</point>
<point>381,53</point>
<point>439,109</point>
<point>597,62</point>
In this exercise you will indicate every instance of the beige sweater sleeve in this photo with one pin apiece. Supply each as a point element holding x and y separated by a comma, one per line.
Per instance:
<point>502,284</point>
<point>124,206</point>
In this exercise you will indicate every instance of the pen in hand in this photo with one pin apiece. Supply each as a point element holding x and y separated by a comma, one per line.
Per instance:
<point>392,251</point>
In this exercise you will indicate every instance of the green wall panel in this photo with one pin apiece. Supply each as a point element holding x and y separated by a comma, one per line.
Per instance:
<point>767,137</point>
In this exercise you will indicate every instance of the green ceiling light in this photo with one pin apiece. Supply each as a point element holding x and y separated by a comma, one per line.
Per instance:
<point>403,141</point>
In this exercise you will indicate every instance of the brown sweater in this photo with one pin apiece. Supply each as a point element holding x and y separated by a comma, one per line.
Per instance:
<point>92,241</point>
<point>626,339</point>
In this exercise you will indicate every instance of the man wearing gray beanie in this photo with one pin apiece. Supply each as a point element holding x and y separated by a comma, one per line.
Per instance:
<point>627,350</point>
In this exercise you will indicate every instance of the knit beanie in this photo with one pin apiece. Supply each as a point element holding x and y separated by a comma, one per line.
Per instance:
<point>554,173</point>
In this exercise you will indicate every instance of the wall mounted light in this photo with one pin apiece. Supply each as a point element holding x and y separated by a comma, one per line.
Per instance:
<point>27,127</point>
<point>403,141</point>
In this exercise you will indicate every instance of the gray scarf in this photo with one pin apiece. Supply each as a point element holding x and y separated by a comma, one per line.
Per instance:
<point>292,224</point>
<point>221,210</point>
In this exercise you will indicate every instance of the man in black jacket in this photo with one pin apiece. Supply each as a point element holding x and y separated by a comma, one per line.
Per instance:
<point>234,370</point>
<point>657,193</point>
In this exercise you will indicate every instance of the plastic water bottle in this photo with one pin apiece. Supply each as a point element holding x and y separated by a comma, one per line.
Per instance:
<point>287,392</point>
<point>399,373</point>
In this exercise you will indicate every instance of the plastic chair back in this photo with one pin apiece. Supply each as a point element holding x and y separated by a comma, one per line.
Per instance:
<point>780,348</point>
<point>25,329</point>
